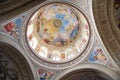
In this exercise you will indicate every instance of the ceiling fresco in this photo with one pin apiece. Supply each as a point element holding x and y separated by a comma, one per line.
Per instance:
<point>60,27</point>
<point>56,36</point>
<point>45,75</point>
<point>60,36</point>
<point>12,28</point>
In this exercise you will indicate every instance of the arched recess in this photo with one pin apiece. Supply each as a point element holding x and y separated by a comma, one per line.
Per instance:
<point>17,57</point>
<point>109,32</point>
<point>78,72</point>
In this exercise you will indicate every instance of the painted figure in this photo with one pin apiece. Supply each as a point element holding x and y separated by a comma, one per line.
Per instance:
<point>13,28</point>
<point>45,75</point>
<point>97,56</point>
<point>60,22</point>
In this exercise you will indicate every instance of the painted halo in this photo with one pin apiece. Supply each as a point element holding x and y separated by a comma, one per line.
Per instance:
<point>57,33</point>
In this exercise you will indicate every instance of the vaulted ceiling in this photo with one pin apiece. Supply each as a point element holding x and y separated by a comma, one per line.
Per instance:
<point>99,22</point>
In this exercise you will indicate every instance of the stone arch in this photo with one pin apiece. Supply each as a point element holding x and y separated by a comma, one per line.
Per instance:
<point>97,69</point>
<point>17,56</point>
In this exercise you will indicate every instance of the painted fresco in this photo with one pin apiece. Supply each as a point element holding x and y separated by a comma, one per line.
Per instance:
<point>45,75</point>
<point>97,56</point>
<point>13,28</point>
<point>60,36</point>
<point>60,27</point>
<point>7,69</point>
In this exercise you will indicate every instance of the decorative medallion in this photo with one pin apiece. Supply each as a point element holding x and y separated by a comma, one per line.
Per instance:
<point>57,33</point>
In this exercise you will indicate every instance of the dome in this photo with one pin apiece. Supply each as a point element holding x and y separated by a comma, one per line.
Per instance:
<point>57,33</point>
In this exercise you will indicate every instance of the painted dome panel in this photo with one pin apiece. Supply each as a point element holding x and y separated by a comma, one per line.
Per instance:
<point>60,33</point>
<point>58,25</point>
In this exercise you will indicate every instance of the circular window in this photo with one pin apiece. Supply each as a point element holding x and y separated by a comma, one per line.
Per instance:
<point>57,33</point>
